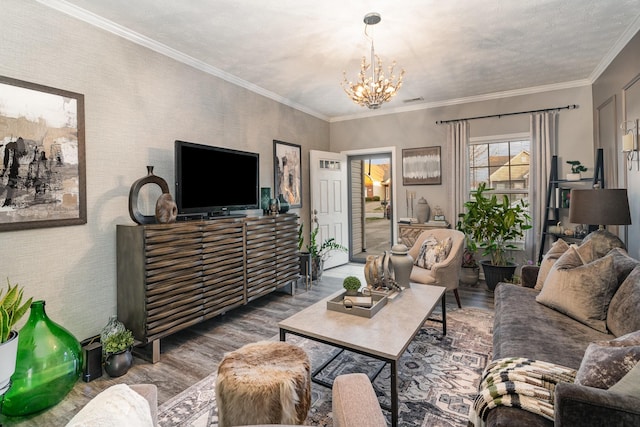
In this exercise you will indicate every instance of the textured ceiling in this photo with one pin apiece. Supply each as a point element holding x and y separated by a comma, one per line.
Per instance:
<point>295,51</point>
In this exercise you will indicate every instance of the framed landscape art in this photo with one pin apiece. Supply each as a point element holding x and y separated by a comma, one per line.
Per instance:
<point>287,167</point>
<point>42,174</point>
<point>421,166</point>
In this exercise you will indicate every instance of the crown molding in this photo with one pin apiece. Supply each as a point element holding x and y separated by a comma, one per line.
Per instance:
<point>132,36</point>
<point>615,50</point>
<point>466,100</point>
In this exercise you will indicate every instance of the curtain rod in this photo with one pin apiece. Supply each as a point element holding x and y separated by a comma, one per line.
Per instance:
<point>568,107</point>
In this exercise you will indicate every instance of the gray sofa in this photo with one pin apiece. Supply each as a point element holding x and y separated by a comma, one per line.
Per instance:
<point>524,327</point>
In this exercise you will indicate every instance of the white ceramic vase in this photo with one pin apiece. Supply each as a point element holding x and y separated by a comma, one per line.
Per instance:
<point>8,353</point>
<point>423,210</point>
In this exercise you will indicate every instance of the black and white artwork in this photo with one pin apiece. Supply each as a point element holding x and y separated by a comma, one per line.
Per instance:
<point>42,174</point>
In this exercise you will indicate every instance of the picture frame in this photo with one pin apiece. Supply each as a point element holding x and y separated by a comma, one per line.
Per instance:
<point>42,156</point>
<point>421,166</point>
<point>287,171</point>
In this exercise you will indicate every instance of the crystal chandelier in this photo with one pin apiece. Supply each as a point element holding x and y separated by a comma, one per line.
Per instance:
<point>372,90</point>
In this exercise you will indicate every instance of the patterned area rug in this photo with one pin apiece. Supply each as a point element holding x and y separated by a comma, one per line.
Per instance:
<point>437,384</point>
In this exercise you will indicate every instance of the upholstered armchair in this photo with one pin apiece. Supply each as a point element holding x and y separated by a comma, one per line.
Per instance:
<point>443,273</point>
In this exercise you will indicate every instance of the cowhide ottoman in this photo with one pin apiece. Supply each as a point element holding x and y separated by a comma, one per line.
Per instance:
<point>267,382</point>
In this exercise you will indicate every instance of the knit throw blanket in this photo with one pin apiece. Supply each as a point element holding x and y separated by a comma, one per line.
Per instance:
<point>520,383</point>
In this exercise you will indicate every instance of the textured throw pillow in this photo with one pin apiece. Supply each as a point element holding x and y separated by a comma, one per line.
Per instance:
<point>585,252</point>
<point>427,244</point>
<point>624,315</point>
<point>603,242</point>
<point>118,405</point>
<point>568,260</point>
<point>582,292</point>
<point>629,385</point>
<point>433,251</point>
<point>623,263</point>
<point>607,362</point>
<point>558,248</point>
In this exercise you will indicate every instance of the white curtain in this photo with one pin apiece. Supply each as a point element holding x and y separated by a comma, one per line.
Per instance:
<point>543,146</point>
<point>458,140</point>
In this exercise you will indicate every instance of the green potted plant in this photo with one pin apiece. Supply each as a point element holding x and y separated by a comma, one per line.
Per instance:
<point>319,251</point>
<point>352,285</point>
<point>11,311</point>
<point>576,168</point>
<point>492,225</point>
<point>117,350</point>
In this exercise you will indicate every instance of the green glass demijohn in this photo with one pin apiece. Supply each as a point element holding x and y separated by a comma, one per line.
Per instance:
<point>48,365</point>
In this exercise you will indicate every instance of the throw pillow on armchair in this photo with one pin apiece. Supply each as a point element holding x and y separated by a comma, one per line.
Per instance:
<point>433,251</point>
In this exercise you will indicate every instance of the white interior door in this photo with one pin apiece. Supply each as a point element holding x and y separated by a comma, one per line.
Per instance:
<point>329,201</point>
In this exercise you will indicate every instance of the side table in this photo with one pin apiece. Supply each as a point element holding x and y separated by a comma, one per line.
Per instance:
<point>408,233</point>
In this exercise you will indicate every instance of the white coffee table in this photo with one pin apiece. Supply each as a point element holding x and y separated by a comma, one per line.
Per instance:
<point>385,336</point>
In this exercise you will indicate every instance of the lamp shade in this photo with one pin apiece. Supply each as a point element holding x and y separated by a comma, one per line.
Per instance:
<point>606,206</point>
<point>627,143</point>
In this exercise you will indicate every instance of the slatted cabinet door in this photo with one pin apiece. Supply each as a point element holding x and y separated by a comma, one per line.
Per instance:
<point>260,238</point>
<point>223,266</point>
<point>173,278</point>
<point>287,259</point>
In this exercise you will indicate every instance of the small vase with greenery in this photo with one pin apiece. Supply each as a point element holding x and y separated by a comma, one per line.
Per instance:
<point>352,285</point>
<point>470,273</point>
<point>469,259</point>
<point>118,342</point>
<point>117,351</point>
<point>493,225</point>
<point>576,168</point>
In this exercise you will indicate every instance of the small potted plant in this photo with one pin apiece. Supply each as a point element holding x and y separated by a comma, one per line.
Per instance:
<point>352,285</point>
<point>11,310</point>
<point>117,350</point>
<point>576,168</point>
<point>470,273</point>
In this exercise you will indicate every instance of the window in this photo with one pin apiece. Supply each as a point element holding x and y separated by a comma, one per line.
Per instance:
<point>503,163</point>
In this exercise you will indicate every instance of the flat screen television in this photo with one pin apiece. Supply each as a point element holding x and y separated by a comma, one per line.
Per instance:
<point>214,181</point>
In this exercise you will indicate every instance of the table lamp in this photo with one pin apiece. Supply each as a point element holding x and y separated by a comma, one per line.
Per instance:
<point>606,206</point>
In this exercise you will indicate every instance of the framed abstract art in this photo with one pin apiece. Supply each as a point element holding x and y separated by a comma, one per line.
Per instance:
<point>42,174</point>
<point>421,166</point>
<point>287,166</point>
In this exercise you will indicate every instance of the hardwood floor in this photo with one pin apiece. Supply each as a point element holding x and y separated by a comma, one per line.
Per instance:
<point>192,354</point>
